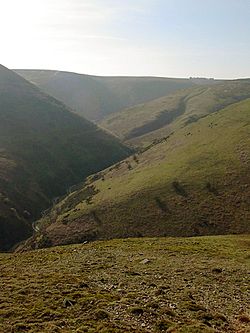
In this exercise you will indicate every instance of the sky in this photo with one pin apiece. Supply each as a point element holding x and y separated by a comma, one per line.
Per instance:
<point>171,38</point>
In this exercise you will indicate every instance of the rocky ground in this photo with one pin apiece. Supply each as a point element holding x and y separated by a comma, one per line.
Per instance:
<point>133,285</point>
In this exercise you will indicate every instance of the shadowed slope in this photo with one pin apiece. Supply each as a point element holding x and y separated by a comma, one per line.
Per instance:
<point>44,148</point>
<point>195,182</point>
<point>95,97</point>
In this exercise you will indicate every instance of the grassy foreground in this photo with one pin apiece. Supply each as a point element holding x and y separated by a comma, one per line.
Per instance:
<point>133,285</point>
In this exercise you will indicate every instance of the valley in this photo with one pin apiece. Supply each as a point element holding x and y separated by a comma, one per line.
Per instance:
<point>125,166</point>
<point>44,149</point>
<point>187,174</point>
<point>194,182</point>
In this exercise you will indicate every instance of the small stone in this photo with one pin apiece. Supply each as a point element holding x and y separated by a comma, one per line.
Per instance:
<point>145,261</point>
<point>68,302</point>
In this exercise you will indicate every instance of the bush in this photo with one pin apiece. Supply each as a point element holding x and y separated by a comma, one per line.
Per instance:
<point>44,241</point>
<point>129,166</point>
<point>211,188</point>
<point>95,217</point>
<point>179,189</point>
<point>161,204</point>
<point>135,159</point>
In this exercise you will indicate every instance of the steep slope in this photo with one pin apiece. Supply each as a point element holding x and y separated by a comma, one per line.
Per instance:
<point>44,148</point>
<point>142,124</point>
<point>195,182</point>
<point>185,285</point>
<point>95,97</point>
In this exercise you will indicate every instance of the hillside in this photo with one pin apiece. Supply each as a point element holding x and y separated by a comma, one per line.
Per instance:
<point>144,123</point>
<point>195,182</point>
<point>44,148</point>
<point>184,285</point>
<point>94,97</point>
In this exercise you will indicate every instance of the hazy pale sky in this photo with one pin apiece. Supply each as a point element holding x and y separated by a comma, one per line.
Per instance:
<point>175,38</point>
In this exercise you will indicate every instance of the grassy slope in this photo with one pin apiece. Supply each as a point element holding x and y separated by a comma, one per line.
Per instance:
<point>138,197</point>
<point>44,149</point>
<point>142,124</point>
<point>95,97</point>
<point>194,285</point>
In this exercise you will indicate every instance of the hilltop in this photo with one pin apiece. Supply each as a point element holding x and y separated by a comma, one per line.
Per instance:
<point>95,97</point>
<point>193,182</point>
<point>194,285</point>
<point>44,149</point>
<point>144,123</point>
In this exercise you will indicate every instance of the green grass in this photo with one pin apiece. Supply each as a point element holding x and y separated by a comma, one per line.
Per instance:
<point>209,162</point>
<point>142,124</point>
<point>184,285</point>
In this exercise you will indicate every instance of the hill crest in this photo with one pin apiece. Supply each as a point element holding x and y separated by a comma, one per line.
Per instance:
<point>94,97</point>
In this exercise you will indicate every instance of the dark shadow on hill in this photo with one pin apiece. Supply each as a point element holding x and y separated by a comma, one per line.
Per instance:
<point>164,118</point>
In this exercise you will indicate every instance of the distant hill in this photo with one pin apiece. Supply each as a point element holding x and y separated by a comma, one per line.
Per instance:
<point>194,182</point>
<point>144,123</point>
<point>95,97</point>
<point>44,148</point>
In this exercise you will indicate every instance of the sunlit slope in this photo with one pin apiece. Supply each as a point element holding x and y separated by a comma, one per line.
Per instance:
<point>95,97</point>
<point>44,148</point>
<point>196,182</point>
<point>196,285</point>
<point>142,124</point>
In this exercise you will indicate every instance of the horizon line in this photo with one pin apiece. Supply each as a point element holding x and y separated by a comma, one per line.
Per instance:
<point>131,76</point>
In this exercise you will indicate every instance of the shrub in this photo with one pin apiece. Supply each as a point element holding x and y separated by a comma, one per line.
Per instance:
<point>161,204</point>
<point>211,188</point>
<point>135,159</point>
<point>129,166</point>
<point>95,217</point>
<point>44,241</point>
<point>179,189</point>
